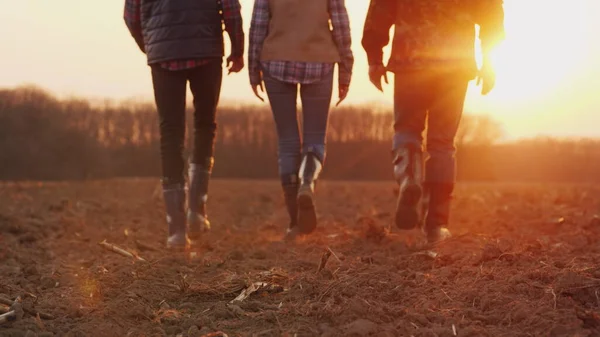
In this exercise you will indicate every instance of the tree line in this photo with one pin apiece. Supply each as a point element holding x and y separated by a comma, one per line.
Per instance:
<point>46,138</point>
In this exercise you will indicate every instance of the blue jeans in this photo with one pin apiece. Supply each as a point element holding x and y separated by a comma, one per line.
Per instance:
<point>316,99</point>
<point>435,99</point>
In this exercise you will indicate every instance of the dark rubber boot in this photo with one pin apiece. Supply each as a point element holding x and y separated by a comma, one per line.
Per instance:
<point>408,168</point>
<point>199,176</point>
<point>309,173</point>
<point>174,197</point>
<point>438,212</point>
<point>290,195</point>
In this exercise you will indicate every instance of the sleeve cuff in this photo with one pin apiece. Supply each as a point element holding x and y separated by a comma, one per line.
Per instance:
<point>345,78</point>
<point>140,44</point>
<point>237,52</point>
<point>375,58</point>
<point>255,78</point>
<point>237,47</point>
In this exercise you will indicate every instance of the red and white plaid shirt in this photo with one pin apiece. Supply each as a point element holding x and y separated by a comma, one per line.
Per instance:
<point>300,72</point>
<point>232,18</point>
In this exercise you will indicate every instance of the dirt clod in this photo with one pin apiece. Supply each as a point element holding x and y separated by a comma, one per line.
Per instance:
<point>45,334</point>
<point>361,327</point>
<point>187,306</point>
<point>236,255</point>
<point>490,252</point>
<point>193,331</point>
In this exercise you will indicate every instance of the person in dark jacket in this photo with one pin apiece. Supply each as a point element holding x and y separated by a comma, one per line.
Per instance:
<point>183,42</point>
<point>433,59</point>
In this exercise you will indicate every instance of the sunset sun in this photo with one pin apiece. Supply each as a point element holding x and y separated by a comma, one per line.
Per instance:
<point>540,50</point>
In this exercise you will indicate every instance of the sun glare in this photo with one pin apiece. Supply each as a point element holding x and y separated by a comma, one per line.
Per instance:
<point>544,45</point>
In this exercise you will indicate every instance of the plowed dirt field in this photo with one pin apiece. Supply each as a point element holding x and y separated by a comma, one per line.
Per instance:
<point>524,260</point>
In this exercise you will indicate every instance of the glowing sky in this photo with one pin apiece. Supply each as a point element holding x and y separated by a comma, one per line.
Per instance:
<point>548,68</point>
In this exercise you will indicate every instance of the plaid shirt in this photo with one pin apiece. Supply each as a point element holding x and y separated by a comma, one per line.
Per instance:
<point>299,72</point>
<point>233,25</point>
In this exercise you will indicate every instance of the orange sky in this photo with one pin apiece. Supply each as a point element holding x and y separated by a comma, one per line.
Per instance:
<point>548,68</point>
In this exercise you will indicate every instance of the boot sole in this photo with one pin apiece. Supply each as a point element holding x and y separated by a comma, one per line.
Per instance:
<point>178,247</point>
<point>307,215</point>
<point>438,235</point>
<point>291,235</point>
<point>195,237</point>
<point>196,229</point>
<point>178,244</point>
<point>407,212</point>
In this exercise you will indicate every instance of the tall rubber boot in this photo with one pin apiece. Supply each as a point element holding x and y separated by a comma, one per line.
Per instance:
<point>290,195</point>
<point>438,211</point>
<point>310,168</point>
<point>199,176</point>
<point>174,198</point>
<point>408,172</point>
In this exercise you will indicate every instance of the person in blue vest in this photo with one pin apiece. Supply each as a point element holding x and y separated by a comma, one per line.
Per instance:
<point>433,59</point>
<point>183,41</point>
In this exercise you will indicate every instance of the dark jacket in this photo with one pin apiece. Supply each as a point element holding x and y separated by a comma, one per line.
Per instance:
<point>182,29</point>
<point>432,34</point>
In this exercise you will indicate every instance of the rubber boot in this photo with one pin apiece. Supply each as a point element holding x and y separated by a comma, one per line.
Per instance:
<point>174,197</point>
<point>408,172</point>
<point>290,195</point>
<point>438,211</point>
<point>199,176</point>
<point>310,168</point>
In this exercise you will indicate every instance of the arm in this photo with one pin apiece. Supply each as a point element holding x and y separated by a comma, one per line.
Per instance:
<point>133,20</point>
<point>259,28</point>
<point>343,39</point>
<point>490,18</point>
<point>232,17</point>
<point>376,34</point>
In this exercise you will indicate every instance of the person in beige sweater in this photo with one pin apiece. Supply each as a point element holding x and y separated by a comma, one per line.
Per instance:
<point>295,44</point>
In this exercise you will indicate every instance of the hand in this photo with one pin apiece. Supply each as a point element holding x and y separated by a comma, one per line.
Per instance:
<point>255,88</point>
<point>487,78</point>
<point>375,74</point>
<point>235,64</point>
<point>343,92</point>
